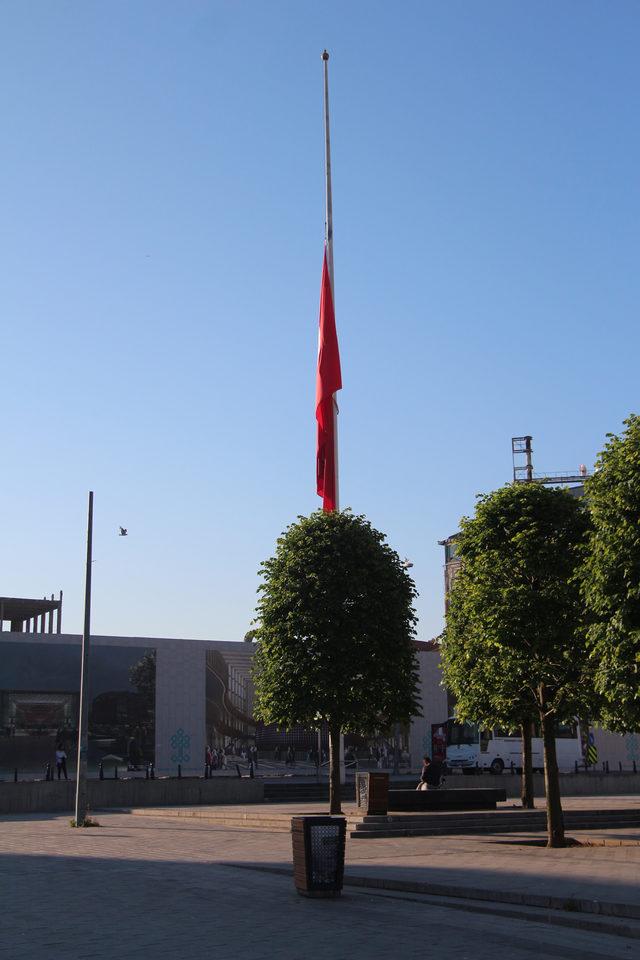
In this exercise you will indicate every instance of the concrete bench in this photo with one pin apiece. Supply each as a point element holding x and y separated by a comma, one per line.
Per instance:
<point>484,798</point>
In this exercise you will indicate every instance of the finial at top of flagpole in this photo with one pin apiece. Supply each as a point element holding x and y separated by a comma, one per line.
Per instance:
<point>325,54</point>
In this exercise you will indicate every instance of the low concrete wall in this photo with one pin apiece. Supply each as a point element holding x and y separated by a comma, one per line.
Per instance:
<point>59,795</point>
<point>571,784</point>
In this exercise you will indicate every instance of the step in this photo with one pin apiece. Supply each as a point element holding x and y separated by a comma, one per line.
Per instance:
<point>364,831</point>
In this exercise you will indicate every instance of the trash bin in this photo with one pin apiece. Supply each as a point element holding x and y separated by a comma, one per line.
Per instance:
<point>318,855</point>
<point>372,794</point>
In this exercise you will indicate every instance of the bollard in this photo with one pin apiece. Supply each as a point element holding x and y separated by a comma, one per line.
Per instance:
<point>238,770</point>
<point>513,768</point>
<point>179,771</point>
<point>152,772</point>
<point>620,765</point>
<point>207,773</point>
<point>115,771</point>
<point>146,772</point>
<point>251,771</point>
<point>607,763</point>
<point>15,775</point>
<point>634,767</point>
<point>47,772</point>
<point>101,771</point>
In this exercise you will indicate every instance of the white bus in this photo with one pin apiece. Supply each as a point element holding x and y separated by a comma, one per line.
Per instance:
<point>471,749</point>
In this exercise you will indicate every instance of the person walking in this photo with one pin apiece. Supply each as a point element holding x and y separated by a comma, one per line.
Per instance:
<point>61,761</point>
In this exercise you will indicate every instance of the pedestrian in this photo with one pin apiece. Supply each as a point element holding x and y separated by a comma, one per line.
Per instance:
<point>61,761</point>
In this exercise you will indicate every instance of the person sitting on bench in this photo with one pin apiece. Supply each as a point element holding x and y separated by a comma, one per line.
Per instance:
<point>431,775</point>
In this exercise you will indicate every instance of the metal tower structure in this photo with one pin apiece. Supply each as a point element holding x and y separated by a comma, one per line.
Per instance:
<point>522,455</point>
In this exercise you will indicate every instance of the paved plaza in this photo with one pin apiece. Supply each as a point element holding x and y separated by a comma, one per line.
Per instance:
<point>159,887</point>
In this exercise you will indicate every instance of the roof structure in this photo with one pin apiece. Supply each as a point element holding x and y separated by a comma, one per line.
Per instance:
<point>37,614</point>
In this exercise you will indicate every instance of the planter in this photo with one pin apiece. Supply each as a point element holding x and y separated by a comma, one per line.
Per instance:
<point>372,794</point>
<point>318,855</point>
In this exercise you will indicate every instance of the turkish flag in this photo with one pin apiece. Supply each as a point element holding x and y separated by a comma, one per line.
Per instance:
<point>328,381</point>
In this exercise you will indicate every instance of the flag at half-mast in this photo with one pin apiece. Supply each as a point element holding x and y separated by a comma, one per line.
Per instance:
<point>328,381</point>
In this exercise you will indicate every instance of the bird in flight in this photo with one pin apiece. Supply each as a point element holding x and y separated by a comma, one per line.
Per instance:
<point>123,532</point>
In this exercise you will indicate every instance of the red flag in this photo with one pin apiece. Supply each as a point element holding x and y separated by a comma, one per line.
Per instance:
<point>328,381</point>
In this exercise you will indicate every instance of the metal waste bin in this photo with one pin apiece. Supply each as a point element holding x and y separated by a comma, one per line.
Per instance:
<point>372,794</point>
<point>318,855</point>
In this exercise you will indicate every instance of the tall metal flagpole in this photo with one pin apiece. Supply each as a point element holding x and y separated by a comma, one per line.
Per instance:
<point>328,240</point>
<point>83,733</point>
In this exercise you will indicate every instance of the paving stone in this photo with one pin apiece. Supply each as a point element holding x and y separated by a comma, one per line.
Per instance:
<point>156,888</point>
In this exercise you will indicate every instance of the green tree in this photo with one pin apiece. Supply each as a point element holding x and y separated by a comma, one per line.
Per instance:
<point>514,645</point>
<point>612,576</point>
<point>470,668</point>
<point>335,635</point>
<point>142,674</point>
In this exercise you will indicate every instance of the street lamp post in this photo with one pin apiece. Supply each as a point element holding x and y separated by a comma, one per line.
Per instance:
<point>83,734</point>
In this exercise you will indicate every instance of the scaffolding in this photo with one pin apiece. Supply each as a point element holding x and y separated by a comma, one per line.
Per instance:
<point>523,472</point>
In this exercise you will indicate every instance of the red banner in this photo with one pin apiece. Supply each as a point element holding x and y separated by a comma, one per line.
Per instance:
<point>328,381</point>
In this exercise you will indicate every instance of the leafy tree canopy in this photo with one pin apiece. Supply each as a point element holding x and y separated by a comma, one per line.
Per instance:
<point>143,675</point>
<point>514,642</point>
<point>336,628</point>
<point>612,580</point>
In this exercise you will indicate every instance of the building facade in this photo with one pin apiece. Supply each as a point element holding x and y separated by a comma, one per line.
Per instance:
<point>152,700</point>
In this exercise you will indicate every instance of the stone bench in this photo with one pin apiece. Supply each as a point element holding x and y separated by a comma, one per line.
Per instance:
<point>483,798</point>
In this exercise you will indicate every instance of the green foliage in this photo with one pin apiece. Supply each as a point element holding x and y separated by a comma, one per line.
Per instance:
<point>515,640</point>
<point>143,676</point>
<point>612,579</point>
<point>336,628</point>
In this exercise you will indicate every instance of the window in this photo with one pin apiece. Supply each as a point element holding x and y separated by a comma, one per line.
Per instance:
<point>460,734</point>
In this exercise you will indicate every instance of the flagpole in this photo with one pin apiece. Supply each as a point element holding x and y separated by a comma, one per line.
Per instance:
<point>328,242</point>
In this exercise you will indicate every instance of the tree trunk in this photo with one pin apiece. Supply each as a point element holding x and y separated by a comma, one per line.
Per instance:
<point>527,767</point>
<point>555,820</point>
<point>334,769</point>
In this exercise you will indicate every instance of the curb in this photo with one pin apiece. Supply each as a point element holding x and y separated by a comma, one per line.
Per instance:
<point>601,908</point>
<point>567,907</point>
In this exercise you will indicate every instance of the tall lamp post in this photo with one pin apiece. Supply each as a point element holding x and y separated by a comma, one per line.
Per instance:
<point>83,733</point>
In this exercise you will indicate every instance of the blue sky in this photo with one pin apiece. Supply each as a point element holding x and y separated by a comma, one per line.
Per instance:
<point>162,195</point>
